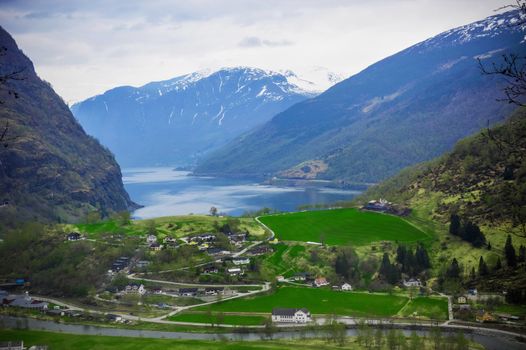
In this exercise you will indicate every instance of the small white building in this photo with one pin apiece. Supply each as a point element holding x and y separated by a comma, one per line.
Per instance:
<point>412,283</point>
<point>236,271</point>
<point>241,261</point>
<point>150,239</point>
<point>346,286</point>
<point>291,315</point>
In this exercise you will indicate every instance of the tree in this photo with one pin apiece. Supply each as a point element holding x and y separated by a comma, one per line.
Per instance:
<point>454,270</point>
<point>483,267</point>
<point>151,227</point>
<point>269,328</point>
<point>213,211</point>
<point>436,337</point>
<point>454,226</point>
<point>522,254</point>
<point>498,265</point>
<point>509,253</point>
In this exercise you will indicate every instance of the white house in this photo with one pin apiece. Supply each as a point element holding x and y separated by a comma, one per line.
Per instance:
<point>241,261</point>
<point>412,283</point>
<point>346,286</point>
<point>151,239</point>
<point>234,271</point>
<point>291,315</point>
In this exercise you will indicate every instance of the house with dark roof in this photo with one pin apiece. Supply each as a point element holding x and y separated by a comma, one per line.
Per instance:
<point>73,236</point>
<point>188,292</point>
<point>291,315</point>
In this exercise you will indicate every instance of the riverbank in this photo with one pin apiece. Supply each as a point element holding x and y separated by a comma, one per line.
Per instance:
<point>490,339</point>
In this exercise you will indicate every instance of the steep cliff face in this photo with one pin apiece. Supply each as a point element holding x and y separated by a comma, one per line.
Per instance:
<point>50,170</point>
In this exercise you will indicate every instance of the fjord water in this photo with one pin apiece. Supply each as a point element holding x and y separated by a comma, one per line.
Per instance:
<point>165,192</point>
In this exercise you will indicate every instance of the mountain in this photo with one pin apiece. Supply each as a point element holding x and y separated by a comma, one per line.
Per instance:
<point>50,170</point>
<point>482,179</point>
<point>175,121</point>
<point>402,110</point>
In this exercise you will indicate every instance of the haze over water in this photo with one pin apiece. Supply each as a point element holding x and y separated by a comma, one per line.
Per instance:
<point>165,192</point>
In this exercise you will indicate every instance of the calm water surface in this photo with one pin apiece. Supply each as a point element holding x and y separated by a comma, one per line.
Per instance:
<point>164,192</point>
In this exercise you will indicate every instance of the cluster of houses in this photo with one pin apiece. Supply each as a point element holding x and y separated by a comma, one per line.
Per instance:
<point>19,345</point>
<point>120,264</point>
<point>317,282</point>
<point>194,292</point>
<point>380,205</point>
<point>23,301</point>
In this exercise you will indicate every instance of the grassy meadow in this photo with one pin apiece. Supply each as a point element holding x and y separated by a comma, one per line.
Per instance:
<point>209,318</point>
<point>318,301</point>
<point>342,227</point>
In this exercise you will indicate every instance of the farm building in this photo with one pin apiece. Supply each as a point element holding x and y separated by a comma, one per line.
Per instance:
<point>412,283</point>
<point>135,288</point>
<point>291,315</point>
<point>320,282</point>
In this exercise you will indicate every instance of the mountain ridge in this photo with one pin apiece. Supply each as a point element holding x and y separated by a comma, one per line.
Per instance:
<point>179,119</point>
<point>415,101</point>
<point>50,170</point>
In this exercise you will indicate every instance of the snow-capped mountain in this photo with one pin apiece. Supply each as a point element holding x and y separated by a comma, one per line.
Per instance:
<point>404,109</point>
<point>314,79</point>
<point>174,121</point>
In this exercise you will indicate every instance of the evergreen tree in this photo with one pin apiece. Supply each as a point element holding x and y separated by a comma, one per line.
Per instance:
<point>498,265</point>
<point>471,233</point>
<point>454,226</point>
<point>522,254</point>
<point>483,267</point>
<point>422,258</point>
<point>454,270</point>
<point>489,245</point>
<point>400,254</point>
<point>509,253</point>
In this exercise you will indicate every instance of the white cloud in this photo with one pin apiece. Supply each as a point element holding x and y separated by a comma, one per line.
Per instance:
<point>84,48</point>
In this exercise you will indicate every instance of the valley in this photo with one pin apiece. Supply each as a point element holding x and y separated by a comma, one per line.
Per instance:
<point>207,181</point>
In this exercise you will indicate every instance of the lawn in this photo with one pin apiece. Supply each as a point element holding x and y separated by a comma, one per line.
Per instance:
<point>434,308</point>
<point>318,301</point>
<point>342,227</point>
<point>59,341</point>
<point>239,320</point>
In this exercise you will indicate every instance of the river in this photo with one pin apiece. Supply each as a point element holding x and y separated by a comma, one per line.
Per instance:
<point>165,192</point>
<point>490,341</point>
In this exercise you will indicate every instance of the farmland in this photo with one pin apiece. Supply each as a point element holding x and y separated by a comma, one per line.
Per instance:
<point>318,301</point>
<point>342,227</point>
<point>215,318</point>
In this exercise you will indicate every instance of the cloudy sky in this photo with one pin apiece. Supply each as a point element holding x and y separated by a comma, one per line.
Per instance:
<point>86,47</point>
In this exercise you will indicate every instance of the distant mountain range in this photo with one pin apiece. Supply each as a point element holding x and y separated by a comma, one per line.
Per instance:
<point>176,121</point>
<point>402,110</point>
<point>50,170</point>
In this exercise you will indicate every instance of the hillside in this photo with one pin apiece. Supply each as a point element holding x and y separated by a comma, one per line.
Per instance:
<point>176,121</point>
<point>483,180</point>
<point>402,110</point>
<point>50,169</point>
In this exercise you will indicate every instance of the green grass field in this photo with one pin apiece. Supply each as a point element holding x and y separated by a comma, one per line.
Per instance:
<point>435,308</point>
<point>342,227</point>
<point>318,301</point>
<point>205,318</point>
<point>175,226</point>
<point>60,341</point>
